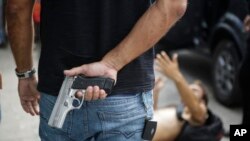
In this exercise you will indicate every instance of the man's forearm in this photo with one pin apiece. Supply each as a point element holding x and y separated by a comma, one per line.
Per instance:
<point>20,32</point>
<point>149,29</point>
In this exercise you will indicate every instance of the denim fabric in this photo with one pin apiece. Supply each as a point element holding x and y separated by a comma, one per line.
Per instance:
<point>2,28</point>
<point>117,118</point>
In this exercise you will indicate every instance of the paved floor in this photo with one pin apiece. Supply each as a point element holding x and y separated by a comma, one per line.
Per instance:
<point>16,125</point>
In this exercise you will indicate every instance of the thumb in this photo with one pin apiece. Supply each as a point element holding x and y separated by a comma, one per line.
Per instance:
<point>74,71</point>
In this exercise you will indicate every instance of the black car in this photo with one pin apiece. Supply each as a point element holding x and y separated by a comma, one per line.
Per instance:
<point>214,27</point>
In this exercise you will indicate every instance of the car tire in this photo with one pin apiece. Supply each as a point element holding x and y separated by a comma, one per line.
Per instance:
<point>225,68</point>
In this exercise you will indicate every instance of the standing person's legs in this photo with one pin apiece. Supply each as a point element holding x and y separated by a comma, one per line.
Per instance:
<point>47,133</point>
<point>116,118</point>
<point>1,22</point>
<point>3,36</point>
<point>4,20</point>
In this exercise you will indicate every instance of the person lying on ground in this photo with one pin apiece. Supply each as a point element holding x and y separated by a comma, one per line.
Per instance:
<point>191,116</point>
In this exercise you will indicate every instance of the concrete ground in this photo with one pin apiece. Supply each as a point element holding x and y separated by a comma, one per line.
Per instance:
<point>16,125</point>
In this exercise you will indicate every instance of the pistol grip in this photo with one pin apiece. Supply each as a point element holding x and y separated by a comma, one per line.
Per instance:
<point>82,82</point>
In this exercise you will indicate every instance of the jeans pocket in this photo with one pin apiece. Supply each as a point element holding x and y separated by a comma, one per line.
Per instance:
<point>125,122</point>
<point>126,118</point>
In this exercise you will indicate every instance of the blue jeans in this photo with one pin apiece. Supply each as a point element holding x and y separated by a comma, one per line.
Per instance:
<point>116,118</point>
<point>2,24</point>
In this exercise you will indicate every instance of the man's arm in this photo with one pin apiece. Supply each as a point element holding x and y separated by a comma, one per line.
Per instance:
<point>20,32</point>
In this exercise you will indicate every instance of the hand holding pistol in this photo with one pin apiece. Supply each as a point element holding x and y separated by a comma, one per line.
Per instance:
<point>67,100</point>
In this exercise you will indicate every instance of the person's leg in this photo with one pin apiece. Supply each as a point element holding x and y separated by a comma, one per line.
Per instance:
<point>2,24</point>
<point>120,117</point>
<point>115,118</point>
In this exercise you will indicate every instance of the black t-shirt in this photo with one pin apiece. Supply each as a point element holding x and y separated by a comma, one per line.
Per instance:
<point>77,32</point>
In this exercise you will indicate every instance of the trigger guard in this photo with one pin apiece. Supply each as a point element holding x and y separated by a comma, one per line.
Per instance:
<point>78,103</point>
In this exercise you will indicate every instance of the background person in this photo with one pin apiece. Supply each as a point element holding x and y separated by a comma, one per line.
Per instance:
<point>3,38</point>
<point>191,120</point>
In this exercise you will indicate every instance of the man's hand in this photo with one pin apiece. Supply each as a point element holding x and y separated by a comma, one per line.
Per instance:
<point>91,70</point>
<point>29,95</point>
<point>168,67</point>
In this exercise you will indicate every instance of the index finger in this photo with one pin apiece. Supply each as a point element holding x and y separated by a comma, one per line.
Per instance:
<point>74,71</point>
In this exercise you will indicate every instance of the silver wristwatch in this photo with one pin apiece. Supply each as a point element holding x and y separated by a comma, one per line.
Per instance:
<point>27,74</point>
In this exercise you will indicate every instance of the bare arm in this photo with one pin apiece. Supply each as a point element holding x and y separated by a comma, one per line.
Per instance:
<point>171,69</point>
<point>20,32</point>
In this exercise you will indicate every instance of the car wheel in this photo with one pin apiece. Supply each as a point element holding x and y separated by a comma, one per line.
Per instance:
<point>225,67</point>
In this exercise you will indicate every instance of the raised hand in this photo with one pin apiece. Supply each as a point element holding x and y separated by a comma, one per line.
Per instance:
<point>167,66</point>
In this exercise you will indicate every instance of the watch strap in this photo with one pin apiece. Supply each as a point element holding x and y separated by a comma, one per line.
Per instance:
<point>27,74</point>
